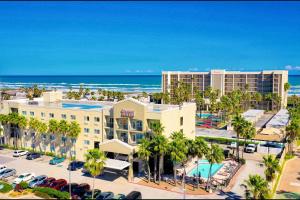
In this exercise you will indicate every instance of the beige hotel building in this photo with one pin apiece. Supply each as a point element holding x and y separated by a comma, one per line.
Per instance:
<point>114,127</point>
<point>226,81</point>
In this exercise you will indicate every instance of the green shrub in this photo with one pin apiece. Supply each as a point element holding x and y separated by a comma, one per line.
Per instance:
<point>42,195</point>
<point>5,187</point>
<point>52,192</point>
<point>24,185</point>
<point>288,156</point>
<point>242,161</point>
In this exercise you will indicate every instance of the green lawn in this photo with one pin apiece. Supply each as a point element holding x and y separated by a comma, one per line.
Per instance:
<point>288,195</point>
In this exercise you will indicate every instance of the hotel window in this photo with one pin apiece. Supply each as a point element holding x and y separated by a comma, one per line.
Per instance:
<point>32,113</point>
<point>24,113</point>
<point>97,131</point>
<point>137,137</point>
<point>64,116</point>
<point>86,118</point>
<point>42,114</point>
<point>86,142</point>
<point>86,130</point>
<point>96,119</point>
<point>73,117</point>
<point>51,115</point>
<point>181,121</point>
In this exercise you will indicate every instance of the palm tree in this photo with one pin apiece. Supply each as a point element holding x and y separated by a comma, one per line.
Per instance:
<point>73,132</point>
<point>215,155</point>
<point>293,132</point>
<point>201,149</point>
<point>63,128</point>
<point>42,128</point>
<point>22,124</point>
<point>257,97</point>
<point>269,98</point>
<point>5,122</point>
<point>160,147</point>
<point>287,87</point>
<point>247,133</point>
<point>34,126</point>
<point>258,187</point>
<point>199,101</point>
<point>53,128</point>
<point>178,150</point>
<point>144,153</point>
<point>13,119</point>
<point>238,123</point>
<point>277,100</point>
<point>94,163</point>
<point>157,128</point>
<point>272,166</point>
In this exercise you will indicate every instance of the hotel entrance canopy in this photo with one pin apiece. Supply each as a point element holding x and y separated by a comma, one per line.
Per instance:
<point>116,164</point>
<point>117,146</point>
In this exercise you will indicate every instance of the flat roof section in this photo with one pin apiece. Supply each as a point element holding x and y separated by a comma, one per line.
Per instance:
<point>253,115</point>
<point>280,120</point>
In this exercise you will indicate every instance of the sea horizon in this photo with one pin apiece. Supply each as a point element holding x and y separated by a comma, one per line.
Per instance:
<point>123,82</point>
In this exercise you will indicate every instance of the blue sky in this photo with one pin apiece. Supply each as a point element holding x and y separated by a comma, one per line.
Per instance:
<point>59,38</point>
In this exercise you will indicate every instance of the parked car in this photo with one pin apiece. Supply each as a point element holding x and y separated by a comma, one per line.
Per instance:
<point>81,189</point>
<point>7,173</point>
<point>65,188</point>
<point>105,195</point>
<point>18,153</point>
<point>134,195</point>
<point>31,156</point>
<point>120,196</point>
<point>273,145</point>
<point>58,184</point>
<point>233,145</point>
<point>47,182</point>
<point>250,148</point>
<point>24,177</point>
<point>74,165</point>
<point>2,167</point>
<point>56,160</point>
<point>37,181</point>
<point>88,194</point>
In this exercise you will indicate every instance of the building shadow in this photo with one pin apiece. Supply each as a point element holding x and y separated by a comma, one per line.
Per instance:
<point>230,195</point>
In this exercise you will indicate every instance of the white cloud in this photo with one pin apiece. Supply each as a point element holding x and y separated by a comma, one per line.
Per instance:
<point>290,67</point>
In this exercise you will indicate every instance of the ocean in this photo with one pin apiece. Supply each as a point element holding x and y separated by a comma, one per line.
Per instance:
<point>124,83</point>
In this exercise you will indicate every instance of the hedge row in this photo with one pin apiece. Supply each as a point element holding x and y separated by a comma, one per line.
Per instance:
<point>227,141</point>
<point>30,150</point>
<point>6,187</point>
<point>51,193</point>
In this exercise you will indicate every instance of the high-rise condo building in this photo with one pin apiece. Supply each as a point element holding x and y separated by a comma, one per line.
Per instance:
<point>271,81</point>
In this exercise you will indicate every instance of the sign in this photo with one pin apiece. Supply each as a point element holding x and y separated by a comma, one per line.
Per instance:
<point>127,113</point>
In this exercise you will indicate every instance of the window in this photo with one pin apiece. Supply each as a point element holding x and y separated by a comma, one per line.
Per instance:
<point>86,130</point>
<point>32,113</point>
<point>64,116</point>
<point>86,142</point>
<point>51,115</point>
<point>24,113</point>
<point>137,137</point>
<point>73,117</point>
<point>181,121</point>
<point>42,114</point>
<point>86,118</point>
<point>97,119</point>
<point>97,131</point>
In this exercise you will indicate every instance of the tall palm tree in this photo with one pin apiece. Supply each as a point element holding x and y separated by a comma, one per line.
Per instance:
<point>258,187</point>
<point>214,155</point>
<point>34,126</point>
<point>199,101</point>
<point>287,87</point>
<point>53,128</point>
<point>272,166</point>
<point>22,124</point>
<point>293,132</point>
<point>94,163</point>
<point>160,147</point>
<point>201,149</point>
<point>73,132</point>
<point>5,123</point>
<point>238,124</point>
<point>63,128</point>
<point>42,128</point>
<point>269,98</point>
<point>277,100</point>
<point>13,119</point>
<point>178,151</point>
<point>257,97</point>
<point>248,132</point>
<point>144,152</point>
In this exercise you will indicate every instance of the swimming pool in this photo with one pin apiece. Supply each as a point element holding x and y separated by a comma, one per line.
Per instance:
<point>203,168</point>
<point>204,115</point>
<point>80,106</point>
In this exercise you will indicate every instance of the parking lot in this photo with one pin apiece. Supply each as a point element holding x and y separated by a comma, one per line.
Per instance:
<point>117,184</point>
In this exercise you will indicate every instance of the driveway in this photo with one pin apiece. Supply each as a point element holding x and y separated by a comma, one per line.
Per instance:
<point>117,184</point>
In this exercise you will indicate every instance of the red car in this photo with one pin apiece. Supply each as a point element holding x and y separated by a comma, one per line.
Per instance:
<point>58,184</point>
<point>47,182</point>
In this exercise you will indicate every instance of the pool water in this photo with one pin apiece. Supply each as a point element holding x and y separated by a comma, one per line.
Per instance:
<point>203,168</point>
<point>80,106</point>
<point>204,115</point>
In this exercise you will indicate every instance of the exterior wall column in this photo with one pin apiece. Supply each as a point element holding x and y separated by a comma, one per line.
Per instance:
<point>130,170</point>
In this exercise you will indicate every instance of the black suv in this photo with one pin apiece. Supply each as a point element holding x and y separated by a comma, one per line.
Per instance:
<point>32,156</point>
<point>74,165</point>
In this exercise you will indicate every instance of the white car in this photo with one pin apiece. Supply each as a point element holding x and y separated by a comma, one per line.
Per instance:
<point>2,167</point>
<point>233,145</point>
<point>18,153</point>
<point>250,148</point>
<point>24,177</point>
